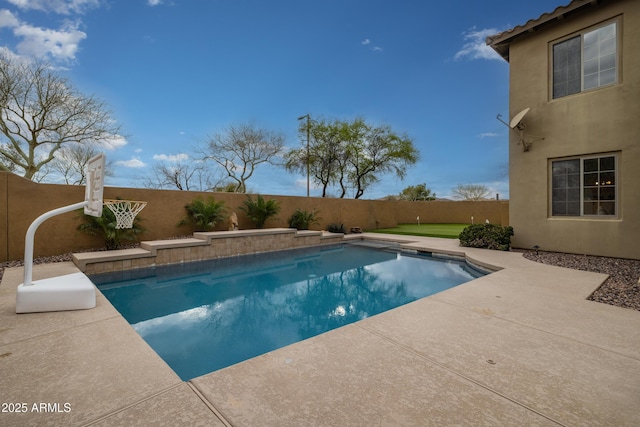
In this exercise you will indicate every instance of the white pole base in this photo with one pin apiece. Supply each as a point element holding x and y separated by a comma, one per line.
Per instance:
<point>70,292</point>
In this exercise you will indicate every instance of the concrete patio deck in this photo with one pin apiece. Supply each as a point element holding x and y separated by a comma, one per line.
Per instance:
<point>521,346</point>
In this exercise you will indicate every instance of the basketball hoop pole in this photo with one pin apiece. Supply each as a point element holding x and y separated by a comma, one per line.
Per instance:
<point>73,291</point>
<point>69,292</point>
<point>31,233</point>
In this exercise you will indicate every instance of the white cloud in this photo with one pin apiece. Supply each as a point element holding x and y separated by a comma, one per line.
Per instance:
<point>113,143</point>
<point>8,19</point>
<point>367,42</point>
<point>52,44</point>
<point>8,53</point>
<point>154,2</point>
<point>133,163</point>
<point>62,7</point>
<point>488,135</point>
<point>171,157</point>
<point>60,45</point>
<point>475,46</point>
<point>44,43</point>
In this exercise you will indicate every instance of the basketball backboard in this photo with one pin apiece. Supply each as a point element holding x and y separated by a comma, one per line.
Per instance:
<point>95,185</point>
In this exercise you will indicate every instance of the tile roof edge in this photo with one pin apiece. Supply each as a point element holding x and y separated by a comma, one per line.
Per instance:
<point>499,42</point>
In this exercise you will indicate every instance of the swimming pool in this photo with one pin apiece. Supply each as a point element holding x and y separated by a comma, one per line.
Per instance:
<point>204,316</point>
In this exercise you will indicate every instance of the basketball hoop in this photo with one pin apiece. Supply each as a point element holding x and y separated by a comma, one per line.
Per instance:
<point>125,211</point>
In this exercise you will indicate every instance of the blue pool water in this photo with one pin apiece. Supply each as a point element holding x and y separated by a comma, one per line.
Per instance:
<point>200,317</point>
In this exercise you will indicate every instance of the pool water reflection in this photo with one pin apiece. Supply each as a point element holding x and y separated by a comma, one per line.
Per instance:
<point>201,317</point>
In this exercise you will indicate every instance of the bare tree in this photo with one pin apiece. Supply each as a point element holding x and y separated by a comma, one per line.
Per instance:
<point>187,175</point>
<point>240,149</point>
<point>5,164</point>
<point>471,192</point>
<point>70,163</point>
<point>40,112</point>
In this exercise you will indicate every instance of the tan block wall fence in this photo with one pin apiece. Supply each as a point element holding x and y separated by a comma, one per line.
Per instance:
<point>22,201</point>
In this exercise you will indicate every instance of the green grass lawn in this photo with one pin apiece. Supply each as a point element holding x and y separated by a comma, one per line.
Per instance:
<point>449,231</point>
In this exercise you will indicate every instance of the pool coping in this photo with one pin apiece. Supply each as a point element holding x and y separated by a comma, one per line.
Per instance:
<point>521,345</point>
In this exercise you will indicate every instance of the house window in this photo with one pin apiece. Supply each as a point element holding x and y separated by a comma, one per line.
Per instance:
<point>586,61</point>
<point>584,186</point>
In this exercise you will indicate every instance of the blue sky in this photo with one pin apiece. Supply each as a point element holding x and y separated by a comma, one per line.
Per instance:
<point>174,72</point>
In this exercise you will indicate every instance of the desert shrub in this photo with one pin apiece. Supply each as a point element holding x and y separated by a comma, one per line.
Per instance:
<point>336,228</point>
<point>105,226</point>
<point>259,210</point>
<point>489,236</point>
<point>302,219</point>
<point>204,214</point>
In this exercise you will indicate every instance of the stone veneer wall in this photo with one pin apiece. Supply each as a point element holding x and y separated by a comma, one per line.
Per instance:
<point>202,246</point>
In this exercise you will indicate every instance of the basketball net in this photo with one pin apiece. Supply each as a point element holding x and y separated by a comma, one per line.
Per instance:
<point>125,211</point>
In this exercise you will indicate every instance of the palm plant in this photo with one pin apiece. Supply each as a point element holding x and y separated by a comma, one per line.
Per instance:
<point>105,226</point>
<point>204,214</point>
<point>259,210</point>
<point>302,219</point>
<point>336,228</point>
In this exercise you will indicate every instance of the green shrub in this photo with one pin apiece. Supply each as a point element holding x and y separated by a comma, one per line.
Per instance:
<point>336,228</point>
<point>302,219</point>
<point>489,236</point>
<point>105,226</point>
<point>259,210</point>
<point>204,214</point>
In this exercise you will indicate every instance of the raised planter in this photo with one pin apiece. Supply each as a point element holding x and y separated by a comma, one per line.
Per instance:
<point>202,246</point>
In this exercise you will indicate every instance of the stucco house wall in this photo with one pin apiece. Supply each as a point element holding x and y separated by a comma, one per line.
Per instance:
<point>593,122</point>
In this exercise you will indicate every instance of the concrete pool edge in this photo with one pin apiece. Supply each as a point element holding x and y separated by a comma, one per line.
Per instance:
<point>529,302</point>
<point>409,243</point>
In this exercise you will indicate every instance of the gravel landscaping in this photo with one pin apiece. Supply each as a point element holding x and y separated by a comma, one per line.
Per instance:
<point>621,289</point>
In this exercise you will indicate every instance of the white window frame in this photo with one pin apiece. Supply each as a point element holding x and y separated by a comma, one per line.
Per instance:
<point>581,34</point>
<point>581,160</point>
